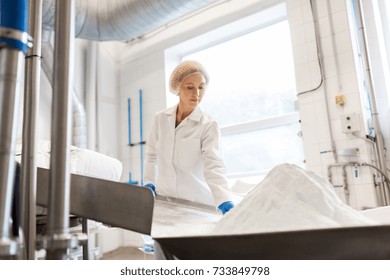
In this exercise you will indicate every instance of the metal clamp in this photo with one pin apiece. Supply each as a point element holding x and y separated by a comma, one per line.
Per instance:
<point>9,247</point>
<point>15,34</point>
<point>61,241</point>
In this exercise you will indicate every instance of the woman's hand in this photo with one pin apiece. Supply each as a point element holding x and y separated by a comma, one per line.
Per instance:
<point>226,206</point>
<point>152,187</point>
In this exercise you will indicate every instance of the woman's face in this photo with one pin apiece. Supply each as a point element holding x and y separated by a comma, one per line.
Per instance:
<point>192,90</point>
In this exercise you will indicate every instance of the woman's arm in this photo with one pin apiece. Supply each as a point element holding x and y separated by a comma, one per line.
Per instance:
<point>214,166</point>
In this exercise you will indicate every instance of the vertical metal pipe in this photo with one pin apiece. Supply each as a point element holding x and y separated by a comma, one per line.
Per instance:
<point>13,44</point>
<point>323,78</point>
<point>378,134</point>
<point>140,138</point>
<point>30,129</point>
<point>129,120</point>
<point>11,75</point>
<point>84,227</point>
<point>58,204</point>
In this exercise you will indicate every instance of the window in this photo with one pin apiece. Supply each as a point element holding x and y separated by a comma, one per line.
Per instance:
<point>375,45</point>
<point>252,77</point>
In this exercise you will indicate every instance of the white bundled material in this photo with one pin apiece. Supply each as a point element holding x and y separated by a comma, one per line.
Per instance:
<point>82,161</point>
<point>290,198</point>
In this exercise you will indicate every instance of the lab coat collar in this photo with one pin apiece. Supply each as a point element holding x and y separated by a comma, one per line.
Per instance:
<point>194,116</point>
<point>171,111</point>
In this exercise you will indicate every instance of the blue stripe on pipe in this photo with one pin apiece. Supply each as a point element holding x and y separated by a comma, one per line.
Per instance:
<point>14,14</point>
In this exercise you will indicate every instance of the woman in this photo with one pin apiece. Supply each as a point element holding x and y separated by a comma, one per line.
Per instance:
<point>182,157</point>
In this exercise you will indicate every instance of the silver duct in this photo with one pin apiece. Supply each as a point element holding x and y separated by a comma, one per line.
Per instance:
<point>114,20</point>
<point>79,126</point>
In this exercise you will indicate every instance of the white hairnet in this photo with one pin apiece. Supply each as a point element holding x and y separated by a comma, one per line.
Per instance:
<point>182,71</point>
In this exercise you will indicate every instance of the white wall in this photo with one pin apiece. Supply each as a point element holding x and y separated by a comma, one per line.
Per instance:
<point>107,90</point>
<point>146,74</point>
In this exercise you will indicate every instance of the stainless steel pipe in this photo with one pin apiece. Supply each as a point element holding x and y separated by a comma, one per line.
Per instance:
<point>30,129</point>
<point>11,81</point>
<point>59,179</point>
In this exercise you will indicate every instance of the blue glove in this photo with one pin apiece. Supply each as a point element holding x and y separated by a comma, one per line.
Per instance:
<point>152,187</point>
<point>226,206</point>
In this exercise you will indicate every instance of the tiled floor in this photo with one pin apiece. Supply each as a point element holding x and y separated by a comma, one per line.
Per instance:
<point>127,253</point>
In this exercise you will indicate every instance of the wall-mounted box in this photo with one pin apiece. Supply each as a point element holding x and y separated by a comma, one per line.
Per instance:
<point>350,123</point>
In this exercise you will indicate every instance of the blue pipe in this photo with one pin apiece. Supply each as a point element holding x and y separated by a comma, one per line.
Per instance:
<point>141,137</point>
<point>14,15</point>
<point>129,120</point>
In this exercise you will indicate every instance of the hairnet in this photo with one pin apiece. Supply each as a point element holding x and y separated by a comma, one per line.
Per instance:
<point>182,71</point>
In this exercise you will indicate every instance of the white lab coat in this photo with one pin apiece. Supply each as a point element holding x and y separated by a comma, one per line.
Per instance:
<point>185,162</point>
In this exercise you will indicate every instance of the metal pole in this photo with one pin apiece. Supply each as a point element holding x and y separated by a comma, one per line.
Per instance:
<point>140,139</point>
<point>84,227</point>
<point>59,179</point>
<point>11,73</point>
<point>14,42</point>
<point>30,129</point>
<point>378,135</point>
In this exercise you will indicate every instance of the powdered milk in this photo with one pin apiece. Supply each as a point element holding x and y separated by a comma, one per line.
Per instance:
<point>290,198</point>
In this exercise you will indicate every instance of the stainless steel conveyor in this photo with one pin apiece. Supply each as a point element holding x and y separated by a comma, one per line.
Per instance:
<point>179,217</point>
<point>113,203</point>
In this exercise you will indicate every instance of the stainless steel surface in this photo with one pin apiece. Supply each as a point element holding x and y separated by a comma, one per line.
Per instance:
<point>55,244</point>
<point>84,227</point>
<point>187,204</point>
<point>11,73</point>
<point>30,129</point>
<point>177,217</point>
<point>354,243</point>
<point>113,203</point>
<point>8,248</point>
<point>58,207</point>
<point>123,19</point>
